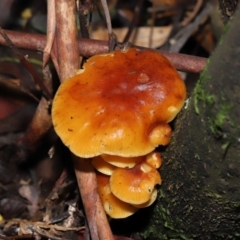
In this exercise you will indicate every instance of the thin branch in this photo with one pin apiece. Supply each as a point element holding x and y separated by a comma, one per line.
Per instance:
<point>88,48</point>
<point>153,19</point>
<point>26,64</point>
<point>86,176</point>
<point>183,35</point>
<point>107,16</point>
<point>84,10</point>
<point>40,124</point>
<point>186,63</point>
<point>112,38</point>
<point>66,38</point>
<point>192,14</point>
<point>51,28</point>
<point>135,20</point>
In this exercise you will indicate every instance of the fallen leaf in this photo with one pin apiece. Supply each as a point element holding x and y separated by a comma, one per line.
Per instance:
<point>139,37</point>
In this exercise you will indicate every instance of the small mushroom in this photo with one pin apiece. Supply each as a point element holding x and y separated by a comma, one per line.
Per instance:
<point>102,166</point>
<point>119,104</point>
<point>114,207</point>
<point>160,134</point>
<point>154,159</point>
<point>122,162</point>
<point>152,199</point>
<point>134,185</point>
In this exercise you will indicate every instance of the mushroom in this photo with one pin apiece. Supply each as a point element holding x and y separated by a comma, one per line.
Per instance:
<point>152,199</point>
<point>160,134</point>
<point>119,104</point>
<point>122,162</point>
<point>134,185</point>
<point>102,166</point>
<point>116,110</point>
<point>154,159</point>
<point>114,207</point>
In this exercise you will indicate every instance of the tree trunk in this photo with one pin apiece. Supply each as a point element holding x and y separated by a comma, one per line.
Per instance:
<point>200,194</point>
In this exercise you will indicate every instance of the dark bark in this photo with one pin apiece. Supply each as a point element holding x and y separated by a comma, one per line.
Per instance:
<point>200,194</point>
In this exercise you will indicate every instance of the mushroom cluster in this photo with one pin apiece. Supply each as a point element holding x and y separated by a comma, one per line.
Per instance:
<point>123,189</point>
<point>116,111</point>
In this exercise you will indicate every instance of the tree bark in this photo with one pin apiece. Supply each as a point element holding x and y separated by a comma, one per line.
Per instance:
<point>200,194</point>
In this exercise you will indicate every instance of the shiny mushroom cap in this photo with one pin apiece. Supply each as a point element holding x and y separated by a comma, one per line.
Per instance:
<point>152,199</point>
<point>114,207</point>
<point>116,104</point>
<point>134,185</point>
<point>154,159</point>
<point>122,162</point>
<point>102,166</point>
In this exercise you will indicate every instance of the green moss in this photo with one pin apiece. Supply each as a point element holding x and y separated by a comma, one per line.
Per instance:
<point>222,96</point>
<point>197,156</point>
<point>214,195</point>
<point>200,94</point>
<point>226,145</point>
<point>163,225</point>
<point>225,30</point>
<point>223,115</point>
<point>219,120</point>
<point>193,174</point>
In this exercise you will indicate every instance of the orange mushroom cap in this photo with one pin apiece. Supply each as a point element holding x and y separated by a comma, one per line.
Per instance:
<point>102,166</point>
<point>114,207</point>
<point>134,185</point>
<point>152,199</point>
<point>161,133</point>
<point>122,162</point>
<point>116,104</point>
<point>154,159</point>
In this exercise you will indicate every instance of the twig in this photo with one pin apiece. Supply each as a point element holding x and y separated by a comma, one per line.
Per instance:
<point>27,91</point>
<point>51,27</point>
<point>107,16</point>
<point>186,63</point>
<point>181,37</point>
<point>26,64</point>
<point>192,14</point>
<point>86,177</point>
<point>88,48</point>
<point>84,9</point>
<point>153,18</point>
<point>135,20</point>
<point>54,55</point>
<point>41,122</point>
<point>66,34</point>
<point>112,38</point>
